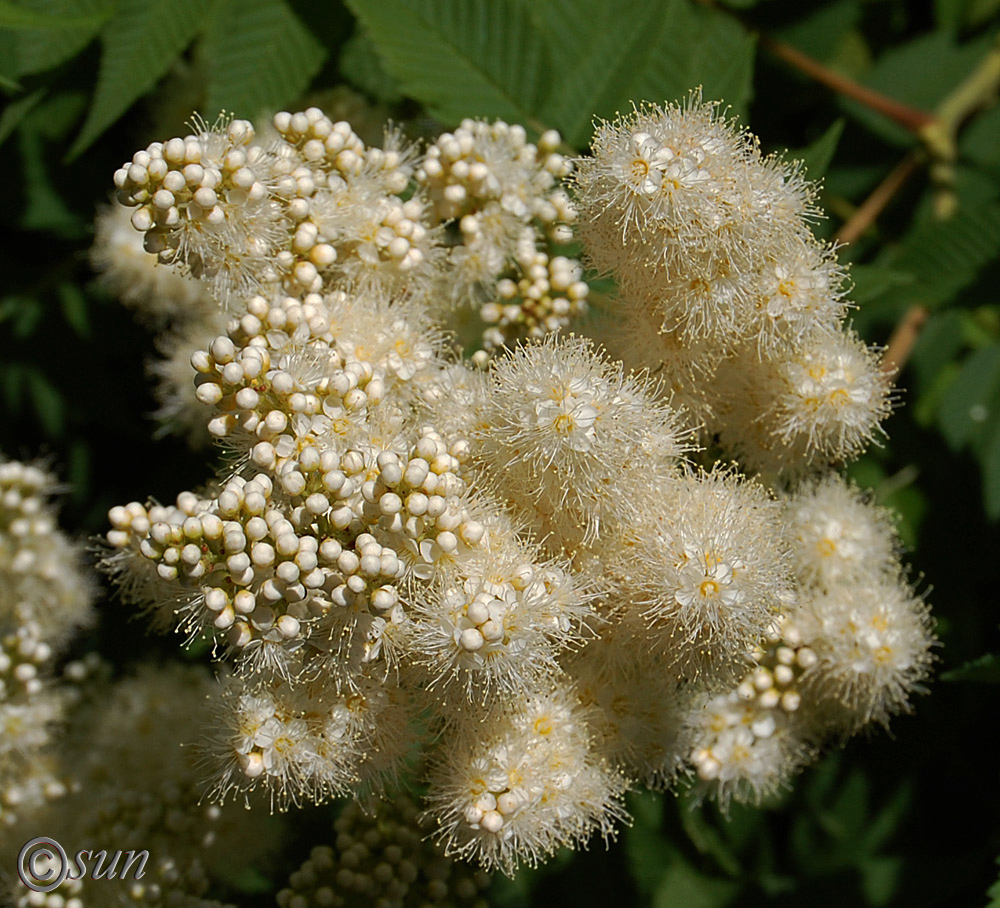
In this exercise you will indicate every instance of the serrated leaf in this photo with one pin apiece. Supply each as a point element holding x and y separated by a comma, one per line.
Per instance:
<point>607,56</point>
<point>904,75</point>
<point>718,55</point>
<point>869,282</point>
<point>822,26</point>
<point>966,406</point>
<point>360,65</point>
<point>263,64</point>
<point>816,157</point>
<point>984,668</point>
<point>945,256</point>
<point>140,42</point>
<point>41,49</point>
<point>460,58</point>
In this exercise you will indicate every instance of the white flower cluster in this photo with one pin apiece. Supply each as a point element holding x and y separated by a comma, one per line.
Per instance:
<point>128,784</point>
<point>517,574</point>
<point>725,290</point>
<point>45,597</point>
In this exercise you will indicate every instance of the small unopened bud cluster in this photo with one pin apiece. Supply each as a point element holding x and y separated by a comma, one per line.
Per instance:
<point>541,298</point>
<point>383,859</point>
<point>746,743</point>
<point>505,200</point>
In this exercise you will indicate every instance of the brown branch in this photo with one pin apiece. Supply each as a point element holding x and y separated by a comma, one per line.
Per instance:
<point>869,210</point>
<point>908,117</point>
<point>903,337</point>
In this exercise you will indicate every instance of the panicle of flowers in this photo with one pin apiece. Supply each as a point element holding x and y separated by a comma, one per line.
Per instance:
<point>518,575</point>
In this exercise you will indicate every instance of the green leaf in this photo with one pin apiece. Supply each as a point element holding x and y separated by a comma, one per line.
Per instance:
<point>880,877</point>
<point>989,462</point>
<point>980,140</point>
<point>46,209</point>
<point>939,342</point>
<point>708,840</point>
<point>932,367</point>
<point>994,893</point>
<point>460,58</point>
<point>718,54</point>
<point>140,43</point>
<point>945,256</point>
<point>869,282</point>
<point>73,302</point>
<point>14,15</point>
<point>16,111</point>
<point>950,14</point>
<point>646,849</point>
<point>816,157</point>
<point>984,668</point>
<point>79,471</point>
<point>47,401</point>
<point>904,75</point>
<point>681,886</point>
<point>971,401</point>
<point>23,313</point>
<point>264,64</point>
<point>607,56</point>
<point>818,32</point>
<point>360,65</point>
<point>42,49</point>
<point>12,382</point>
<point>979,11</point>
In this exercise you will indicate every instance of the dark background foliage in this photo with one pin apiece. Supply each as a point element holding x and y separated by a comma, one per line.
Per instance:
<point>909,818</point>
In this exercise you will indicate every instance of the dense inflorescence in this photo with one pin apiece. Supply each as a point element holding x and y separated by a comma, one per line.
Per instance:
<point>518,576</point>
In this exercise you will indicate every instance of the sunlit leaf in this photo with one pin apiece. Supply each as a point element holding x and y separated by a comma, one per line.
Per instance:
<point>264,64</point>
<point>460,58</point>
<point>140,42</point>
